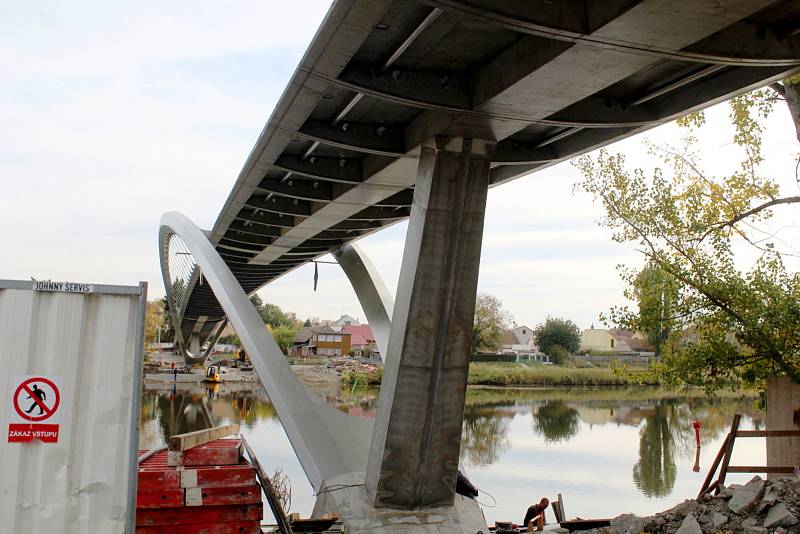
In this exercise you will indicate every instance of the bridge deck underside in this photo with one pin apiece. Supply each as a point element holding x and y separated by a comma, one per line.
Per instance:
<point>546,80</point>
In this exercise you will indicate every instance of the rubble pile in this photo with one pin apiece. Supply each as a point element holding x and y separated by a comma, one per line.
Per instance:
<point>347,364</point>
<point>758,507</point>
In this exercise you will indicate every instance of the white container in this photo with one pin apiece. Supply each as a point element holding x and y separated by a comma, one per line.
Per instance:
<point>91,342</point>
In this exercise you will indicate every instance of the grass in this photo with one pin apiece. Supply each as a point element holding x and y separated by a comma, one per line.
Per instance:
<point>514,374</point>
<point>497,374</point>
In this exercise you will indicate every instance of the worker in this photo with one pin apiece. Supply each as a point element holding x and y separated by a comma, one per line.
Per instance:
<point>174,372</point>
<point>536,510</point>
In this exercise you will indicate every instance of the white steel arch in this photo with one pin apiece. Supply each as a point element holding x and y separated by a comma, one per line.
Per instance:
<point>328,442</point>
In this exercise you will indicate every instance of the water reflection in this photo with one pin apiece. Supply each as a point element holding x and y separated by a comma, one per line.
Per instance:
<point>608,451</point>
<point>654,473</point>
<point>556,421</point>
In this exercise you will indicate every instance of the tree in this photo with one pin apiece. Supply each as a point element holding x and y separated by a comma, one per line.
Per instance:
<point>154,320</point>
<point>284,334</point>
<point>728,324</point>
<point>655,292</point>
<point>272,314</point>
<point>307,323</point>
<point>557,338</point>
<point>490,321</point>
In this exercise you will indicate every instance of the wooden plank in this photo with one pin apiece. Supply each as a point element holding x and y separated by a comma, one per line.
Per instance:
<point>182,442</point>
<point>222,496</point>
<point>203,515</point>
<point>243,474</point>
<point>238,527</point>
<point>219,452</point>
<point>706,487</point>
<point>272,498</point>
<point>561,509</point>
<point>166,498</point>
<point>723,470</point>
<point>759,469</point>
<point>158,479</point>
<point>768,434</point>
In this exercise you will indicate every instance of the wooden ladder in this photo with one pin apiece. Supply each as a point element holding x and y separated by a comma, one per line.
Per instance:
<point>726,451</point>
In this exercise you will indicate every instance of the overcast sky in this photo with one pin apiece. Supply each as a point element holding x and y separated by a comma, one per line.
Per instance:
<point>113,113</point>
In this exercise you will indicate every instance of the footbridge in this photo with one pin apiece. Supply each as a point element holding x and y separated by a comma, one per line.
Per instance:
<point>406,109</point>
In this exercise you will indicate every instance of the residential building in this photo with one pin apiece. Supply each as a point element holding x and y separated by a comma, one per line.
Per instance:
<point>341,322</point>
<point>362,341</point>
<point>614,340</point>
<point>519,340</point>
<point>319,341</point>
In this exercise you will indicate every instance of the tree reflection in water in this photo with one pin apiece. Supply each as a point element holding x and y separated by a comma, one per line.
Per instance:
<point>655,472</point>
<point>484,435</point>
<point>556,421</point>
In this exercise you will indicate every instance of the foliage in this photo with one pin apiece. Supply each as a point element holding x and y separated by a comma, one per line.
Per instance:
<point>272,314</point>
<point>155,322</point>
<point>231,339</point>
<point>498,374</point>
<point>558,338</point>
<point>349,378</point>
<point>655,292</point>
<point>727,324</point>
<point>490,321</point>
<point>284,334</point>
<point>307,323</point>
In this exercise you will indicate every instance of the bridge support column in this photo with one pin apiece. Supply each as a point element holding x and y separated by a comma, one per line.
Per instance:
<point>194,344</point>
<point>414,453</point>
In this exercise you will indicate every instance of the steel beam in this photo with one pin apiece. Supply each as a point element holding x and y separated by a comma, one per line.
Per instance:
<point>372,293</point>
<point>327,442</point>
<point>740,44</point>
<point>379,139</point>
<point>342,170</point>
<point>413,459</point>
<point>312,190</point>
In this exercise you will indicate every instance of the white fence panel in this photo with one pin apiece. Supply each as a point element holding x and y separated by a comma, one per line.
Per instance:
<point>93,343</point>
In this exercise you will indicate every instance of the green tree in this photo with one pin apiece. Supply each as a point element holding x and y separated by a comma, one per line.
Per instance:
<point>272,314</point>
<point>284,334</point>
<point>655,292</point>
<point>558,338</point>
<point>307,323</point>
<point>489,323</point>
<point>730,324</point>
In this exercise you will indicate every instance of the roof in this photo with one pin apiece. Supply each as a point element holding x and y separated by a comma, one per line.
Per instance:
<point>360,334</point>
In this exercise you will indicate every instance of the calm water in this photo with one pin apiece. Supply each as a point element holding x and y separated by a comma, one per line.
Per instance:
<point>607,451</point>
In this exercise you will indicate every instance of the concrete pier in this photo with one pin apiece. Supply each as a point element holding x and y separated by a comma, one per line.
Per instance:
<point>413,458</point>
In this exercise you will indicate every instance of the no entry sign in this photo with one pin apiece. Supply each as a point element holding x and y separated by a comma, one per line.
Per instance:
<point>35,400</point>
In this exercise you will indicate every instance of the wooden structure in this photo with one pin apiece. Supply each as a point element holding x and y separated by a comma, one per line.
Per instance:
<point>723,458</point>
<point>212,489</point>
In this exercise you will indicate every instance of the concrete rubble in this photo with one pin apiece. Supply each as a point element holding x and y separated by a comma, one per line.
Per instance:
<point>760,506</point>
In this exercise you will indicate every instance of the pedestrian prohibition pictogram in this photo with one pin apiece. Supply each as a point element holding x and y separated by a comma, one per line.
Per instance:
<point>36,400</point>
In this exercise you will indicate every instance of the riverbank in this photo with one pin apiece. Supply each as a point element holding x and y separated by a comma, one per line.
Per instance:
<point>760,506</point>
<point>515,374</point>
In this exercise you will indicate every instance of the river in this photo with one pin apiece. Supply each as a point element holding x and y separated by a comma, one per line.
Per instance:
<point>606,450</point>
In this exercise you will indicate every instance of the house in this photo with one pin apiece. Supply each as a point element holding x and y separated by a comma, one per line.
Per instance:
<point>614,340</point>
<point>319,341</point>
<point>362,341</point>
<point>519,340</point>
<point>341,322</point>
